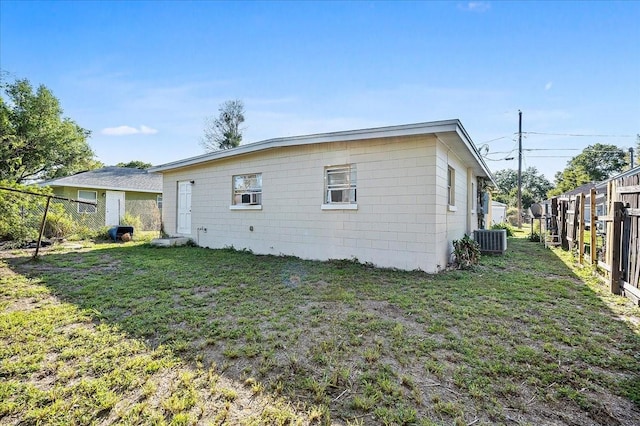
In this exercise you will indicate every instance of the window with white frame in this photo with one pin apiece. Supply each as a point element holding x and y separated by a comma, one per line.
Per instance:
<point>247,190</point>
<point>451,186</point>
<point>340,184</point>
<point>90,196</point>
<point>159,201</point>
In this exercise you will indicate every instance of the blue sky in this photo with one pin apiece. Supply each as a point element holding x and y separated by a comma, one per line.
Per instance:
<point>143,76</point>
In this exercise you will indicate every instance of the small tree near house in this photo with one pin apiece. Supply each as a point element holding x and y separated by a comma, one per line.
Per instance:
<point>224,132</point>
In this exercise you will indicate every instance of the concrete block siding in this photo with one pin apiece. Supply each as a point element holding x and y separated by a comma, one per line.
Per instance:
<point>402,219</point>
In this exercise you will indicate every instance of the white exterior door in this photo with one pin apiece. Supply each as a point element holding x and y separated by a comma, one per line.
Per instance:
<point>184,207</point>
<point>114,208</point>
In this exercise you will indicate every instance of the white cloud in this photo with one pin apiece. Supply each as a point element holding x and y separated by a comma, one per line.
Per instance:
<point>147,130</point>
<point>548,86</point>
<point>128,130</point>
<point>475,6</point>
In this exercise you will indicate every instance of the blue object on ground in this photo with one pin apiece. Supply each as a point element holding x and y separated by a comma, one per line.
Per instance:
<point>117,232</point>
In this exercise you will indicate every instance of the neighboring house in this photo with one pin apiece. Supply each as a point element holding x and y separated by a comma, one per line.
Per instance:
<point>117,190</point>
<point>602,189</point>
<point>584,189</point>
<point>498,212</point>
<point>393,196</point>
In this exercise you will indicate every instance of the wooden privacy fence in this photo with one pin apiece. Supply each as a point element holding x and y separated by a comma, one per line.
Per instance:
<point>602,227</point>
<point>627,224</point>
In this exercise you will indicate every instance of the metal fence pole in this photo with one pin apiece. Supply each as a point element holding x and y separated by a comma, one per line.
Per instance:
<point>44,221</point>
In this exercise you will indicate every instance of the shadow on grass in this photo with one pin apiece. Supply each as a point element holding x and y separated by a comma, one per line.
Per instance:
<point>520,338</point>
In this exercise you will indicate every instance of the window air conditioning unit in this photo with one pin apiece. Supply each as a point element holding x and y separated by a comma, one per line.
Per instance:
<point>251,198</point>
<point>491,240</point>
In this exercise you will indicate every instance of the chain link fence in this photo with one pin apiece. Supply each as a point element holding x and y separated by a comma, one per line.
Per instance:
<point>143,215</point>
<point>21,215</point>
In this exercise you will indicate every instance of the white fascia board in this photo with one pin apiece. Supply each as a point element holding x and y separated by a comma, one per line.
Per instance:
<point>344,136</point>
<point>106,188</point>
<point>466,139</point>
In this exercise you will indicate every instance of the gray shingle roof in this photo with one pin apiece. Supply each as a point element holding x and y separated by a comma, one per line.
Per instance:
<point>115,178</point>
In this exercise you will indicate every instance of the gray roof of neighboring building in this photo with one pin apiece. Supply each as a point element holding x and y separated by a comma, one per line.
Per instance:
<point>449,131</point>
<point>579,190</point>
<point>112,178</point>
<point>626,173</point>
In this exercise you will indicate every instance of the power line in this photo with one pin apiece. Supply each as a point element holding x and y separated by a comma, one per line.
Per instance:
<point>496,139</point>
<point>501,152</point>
<point>506,155</point>
<point>499,159</point>
<point>572,149</point>
<point>579,135</point>
<point>549,156</point>
<point>553,149</point>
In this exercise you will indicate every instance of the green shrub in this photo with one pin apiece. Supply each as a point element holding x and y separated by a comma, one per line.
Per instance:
<point>96,234</point>
<point>59,224</point>
<point>21,214</point>
<point>87,233</point>
<point>504,226</point>
<point>466,252</point>
<point>131,220</point>
<point>534,237</point>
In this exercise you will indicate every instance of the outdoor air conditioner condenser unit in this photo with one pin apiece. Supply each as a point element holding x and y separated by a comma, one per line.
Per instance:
<point>491,240</point>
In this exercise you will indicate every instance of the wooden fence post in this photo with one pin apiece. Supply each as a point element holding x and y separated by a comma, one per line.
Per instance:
<point>609,224</point>
<point>580,223</point>
<point>593,227</point>
<point>563,207</point>
<point>614,244</point>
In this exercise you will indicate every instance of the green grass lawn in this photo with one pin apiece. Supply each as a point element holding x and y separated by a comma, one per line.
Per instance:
<point>130,334</point>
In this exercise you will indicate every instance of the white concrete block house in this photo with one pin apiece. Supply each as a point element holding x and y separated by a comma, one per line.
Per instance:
<point>393,196</point>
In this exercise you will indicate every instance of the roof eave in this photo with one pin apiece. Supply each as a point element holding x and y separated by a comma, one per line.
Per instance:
<point>343,136</point>
<point>106,188</point>
<point>462,133</point>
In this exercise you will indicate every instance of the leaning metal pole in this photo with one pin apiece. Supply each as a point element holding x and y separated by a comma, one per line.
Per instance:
<point>44,221</point>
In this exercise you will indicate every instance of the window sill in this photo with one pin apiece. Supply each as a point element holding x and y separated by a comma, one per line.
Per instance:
<point>246,207</point>
<point>339,207</point>
<point>452,208</point>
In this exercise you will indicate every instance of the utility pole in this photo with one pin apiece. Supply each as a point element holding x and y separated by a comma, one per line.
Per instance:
<point>519,169</point>
<point>631,156</point>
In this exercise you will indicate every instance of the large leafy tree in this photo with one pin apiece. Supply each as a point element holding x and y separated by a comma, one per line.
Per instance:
<point>36,141</point>
<point>223,131</point>
<point>568,179</point>
<point>20,214</point>
<point>600,161</point>
<point>595,163</point>
<point>135,164</point>
<point>534,186</point>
